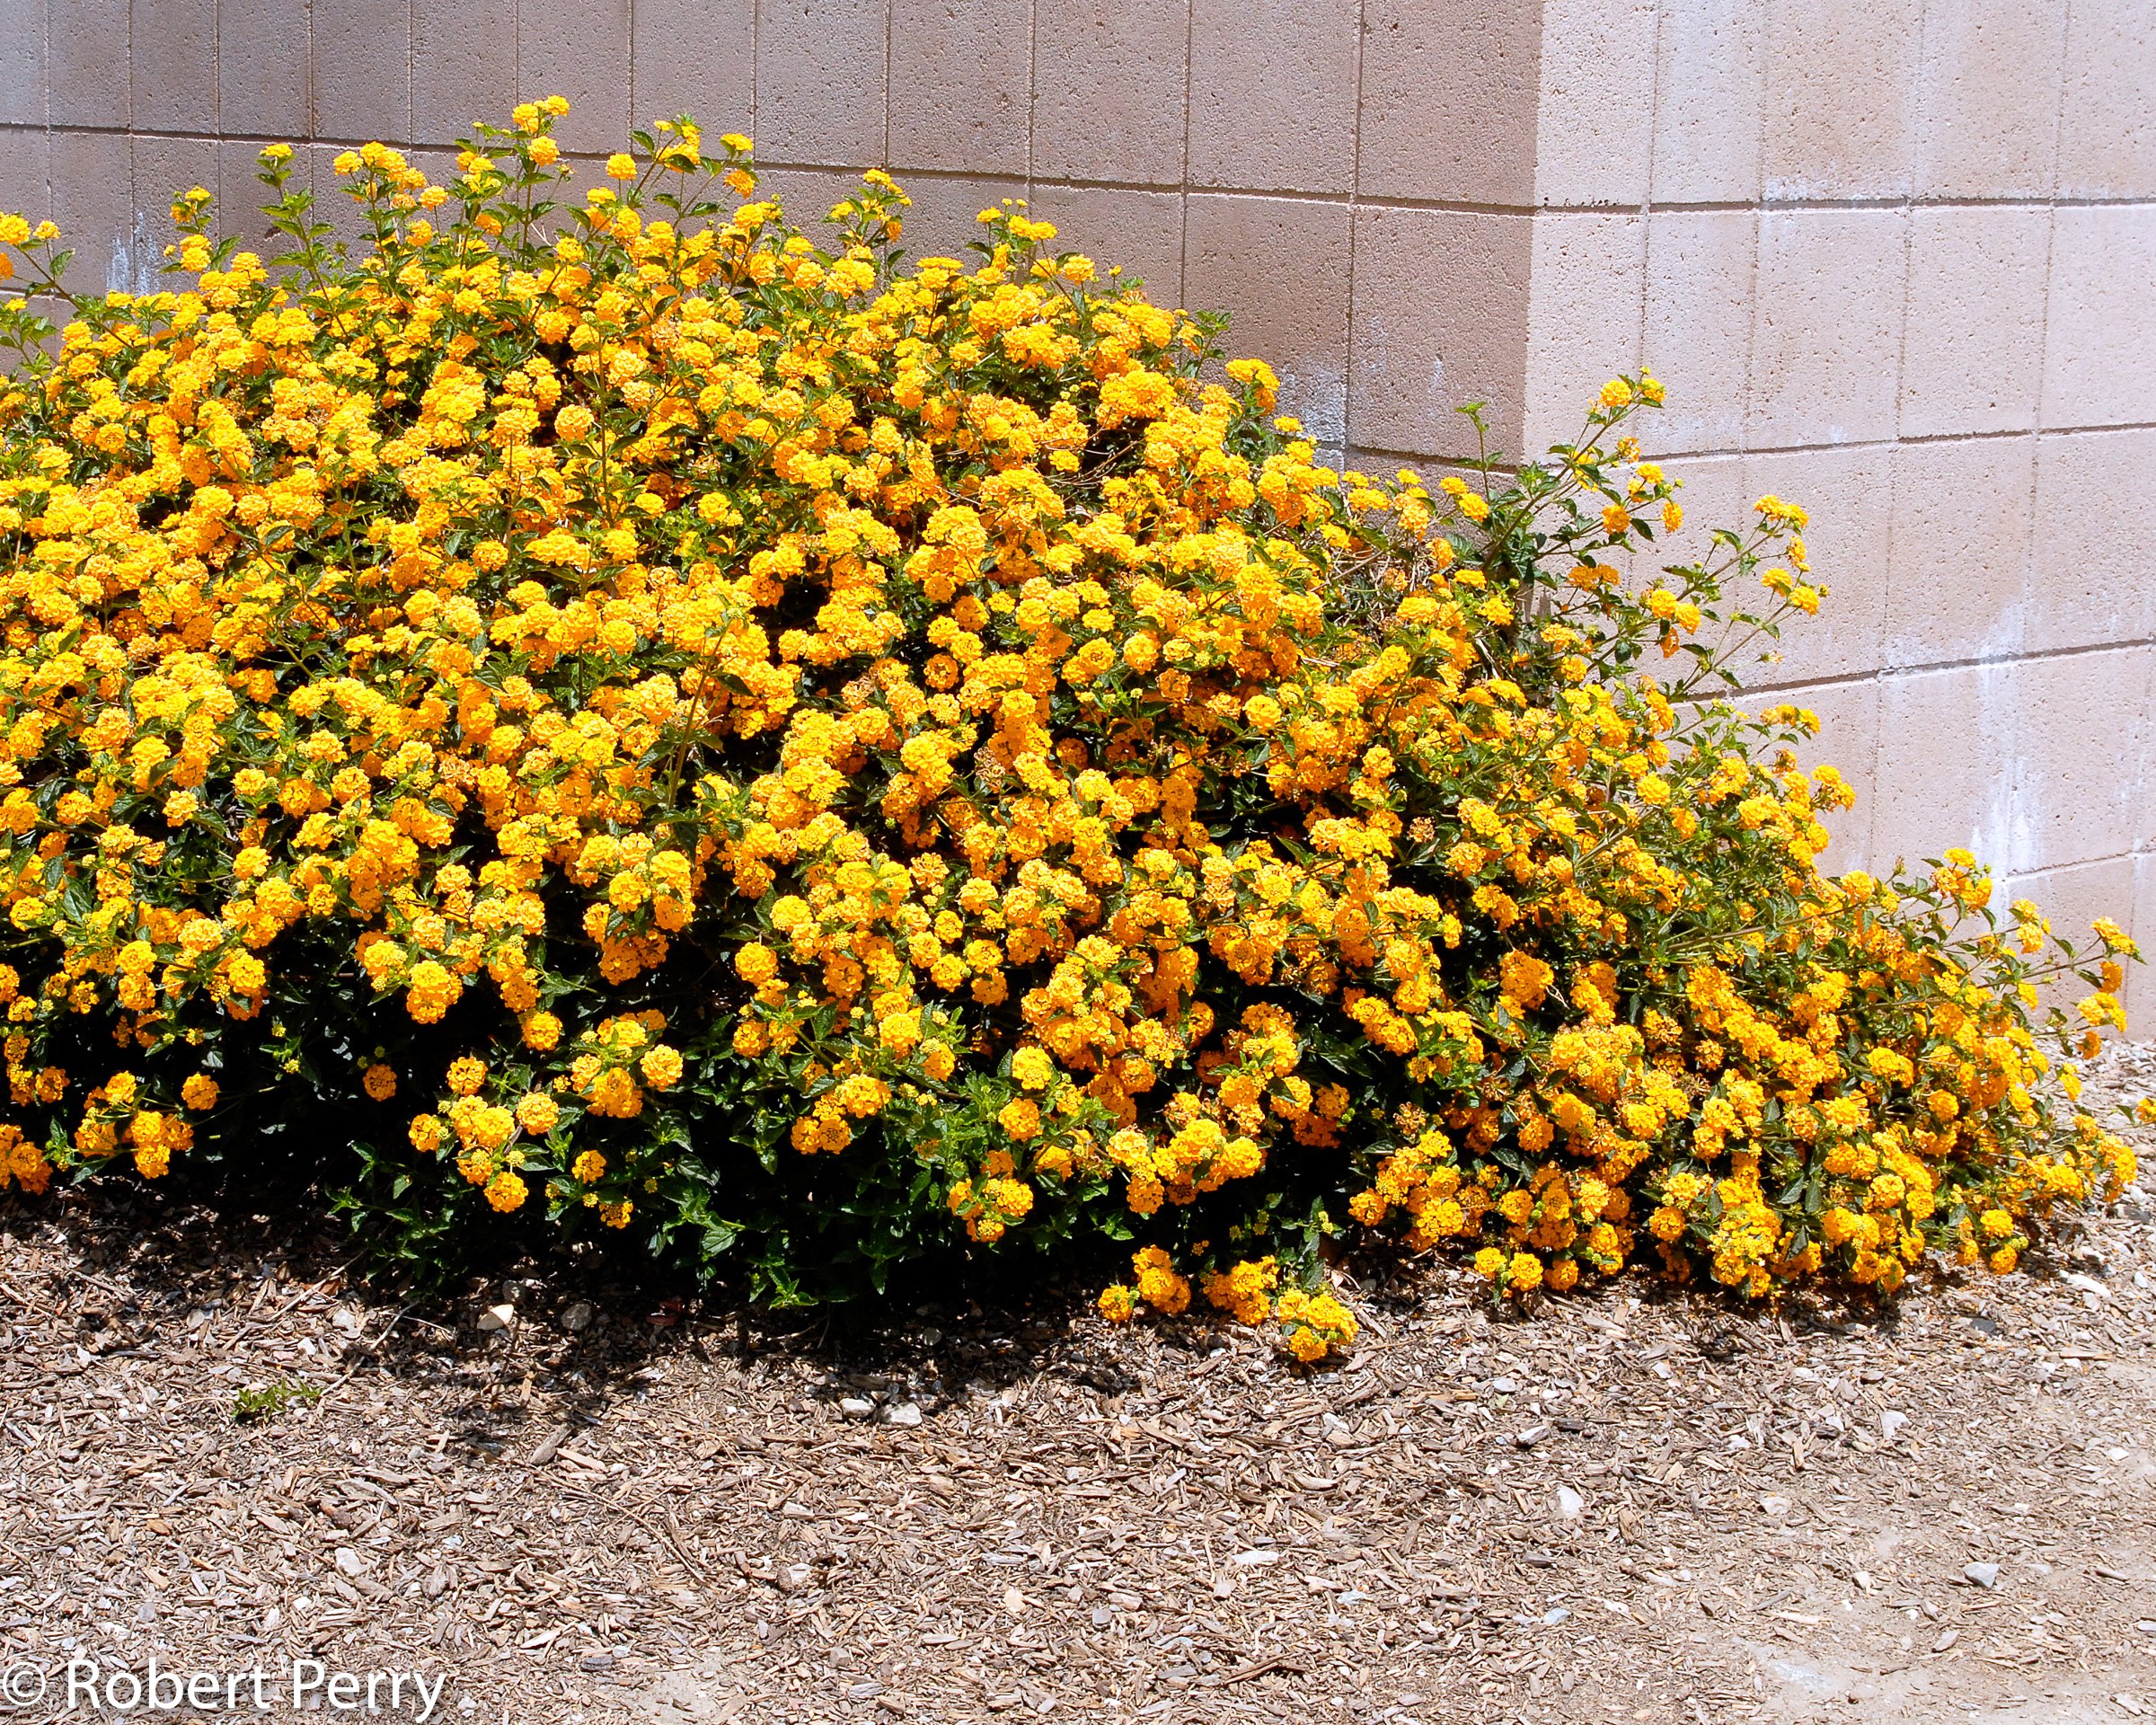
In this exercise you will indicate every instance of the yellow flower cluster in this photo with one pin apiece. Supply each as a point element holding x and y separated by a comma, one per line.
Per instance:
<point>843,760</point>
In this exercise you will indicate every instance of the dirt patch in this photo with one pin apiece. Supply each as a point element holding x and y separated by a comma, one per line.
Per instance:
<point>1635,1506</point>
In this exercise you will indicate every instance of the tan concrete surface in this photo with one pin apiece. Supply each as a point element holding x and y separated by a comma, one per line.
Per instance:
<point>693,56</point>
<point>1849,491</point>
<point>1959,551</point>
<point>1115,109</point>
<point>1974,361</point>
<point>1894,258</point>
<point>1270,261</point>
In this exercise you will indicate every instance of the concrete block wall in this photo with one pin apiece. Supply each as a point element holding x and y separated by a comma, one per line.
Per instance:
<point>1894,258</point>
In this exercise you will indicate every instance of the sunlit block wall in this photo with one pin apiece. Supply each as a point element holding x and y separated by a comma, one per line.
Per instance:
<point>1896,258</point>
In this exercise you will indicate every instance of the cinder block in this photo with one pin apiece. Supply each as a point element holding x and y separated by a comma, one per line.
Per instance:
<point>1698,305</point>
<point>2071,899</point>
<point>440,165</point>
<point>241,194</point>
<point>1948,743</point>
<point>1710,78</point>
<point>945,219</point>
<point>334,204</point>
<point>94,203</point>
<point>808,194</point>
<point>164,167</point>
<point>2140,1002</point>
<point>262,71</point>
<point>86,49</point>
<point>2083,735</point>
<point>820,81</point>
<point>1449,97</point>
<point>1441,301</point>
<point>175,64</point>
<point>959,91</point>
<point>1139,232</point>
<point>2106,126</point>
<point>25,175</point>
<point>699,58</point>
<point>2121,899</point>
<point>23,85</point>
<point>1988,105</point>
<point>1272,95</point>
<point>1849,494</point>
<point>1108,91</point>
<point>361,60</point>
<point>577,48</point>
<point>1839,118</point>
<point>1279,266</point>
<point>1596,131</point>
<point>1972,357</point>
<point>1848,742</point>
<point>2100,357</point>
<point>2144,823</point>
<point>463,66</point>
<point>1713,492</point>
<point>1584,309</point>
<point>1826,341</point>
<point>1957,578</point>
<point>2091,582</point>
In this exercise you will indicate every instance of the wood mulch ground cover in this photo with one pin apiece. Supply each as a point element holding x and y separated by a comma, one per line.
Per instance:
<point>1631,1505</point>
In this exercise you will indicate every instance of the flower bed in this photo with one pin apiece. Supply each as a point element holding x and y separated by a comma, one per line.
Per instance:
<point>628,709</point>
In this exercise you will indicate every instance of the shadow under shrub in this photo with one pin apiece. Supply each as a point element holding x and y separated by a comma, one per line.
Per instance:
<point>819,759</point>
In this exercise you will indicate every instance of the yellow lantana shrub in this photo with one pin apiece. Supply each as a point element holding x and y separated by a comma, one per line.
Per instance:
<point>635,709</point>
